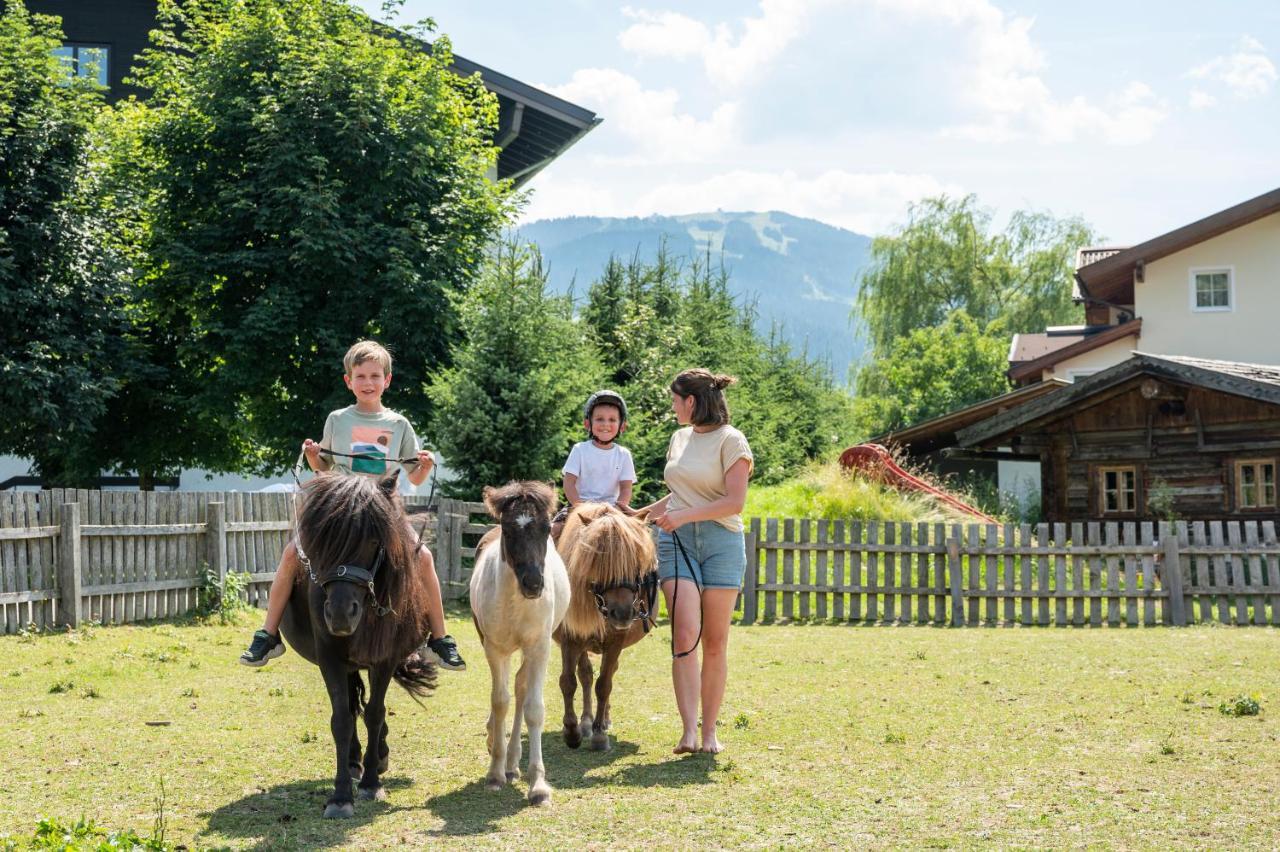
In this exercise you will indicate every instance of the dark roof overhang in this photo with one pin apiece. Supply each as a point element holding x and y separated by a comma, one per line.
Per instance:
<point>940,432</point>
<point>534,127</point>
<point>1260,382</point>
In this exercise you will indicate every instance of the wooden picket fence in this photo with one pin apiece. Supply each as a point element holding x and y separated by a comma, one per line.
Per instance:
<point>68,556</point>
<point>1062,574</point>
<point>116,557</point>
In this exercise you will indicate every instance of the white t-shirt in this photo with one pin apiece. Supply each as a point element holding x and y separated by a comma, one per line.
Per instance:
<point>600,472</point>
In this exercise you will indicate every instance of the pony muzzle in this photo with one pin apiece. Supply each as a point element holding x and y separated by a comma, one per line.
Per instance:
<point>530,579</point>
<point>342,616</point>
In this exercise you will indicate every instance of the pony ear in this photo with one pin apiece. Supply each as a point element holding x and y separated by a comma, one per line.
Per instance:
<point>490,498</point>
<point>387,484</point>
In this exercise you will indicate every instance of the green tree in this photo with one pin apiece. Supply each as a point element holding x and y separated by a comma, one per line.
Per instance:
<point>312,178</point>
<point>510,406</point>
<point>648,321</point>
<point>946,272</point>
<point>947,258</point>
<point>61,285</point>
<point>931,371</point>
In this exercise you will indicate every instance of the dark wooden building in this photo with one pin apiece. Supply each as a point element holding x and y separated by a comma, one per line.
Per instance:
<point>102,37</point>
<point>1152,436</point>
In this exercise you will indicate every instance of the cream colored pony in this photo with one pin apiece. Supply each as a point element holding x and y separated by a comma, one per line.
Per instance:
<point>519,595</point>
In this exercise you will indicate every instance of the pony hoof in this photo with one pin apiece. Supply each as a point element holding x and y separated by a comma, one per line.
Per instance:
<point>540,797</point>
<point>513,775</point>
<point>356,770</point>
<point>600,742</point>
<point>339,810</point>
<point>494,784</point>
<point>571,736</point>
<point>372,794</point>
<point>584,728</point>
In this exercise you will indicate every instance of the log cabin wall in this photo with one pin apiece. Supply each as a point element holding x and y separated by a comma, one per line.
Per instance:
<point>1183,443</point>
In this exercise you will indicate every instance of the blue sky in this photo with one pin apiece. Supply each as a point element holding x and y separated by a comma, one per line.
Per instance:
<point>1138,116</point>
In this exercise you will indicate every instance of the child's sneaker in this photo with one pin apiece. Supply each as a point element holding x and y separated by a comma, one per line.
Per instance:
<point>444,653</point>
<point>265,646</point>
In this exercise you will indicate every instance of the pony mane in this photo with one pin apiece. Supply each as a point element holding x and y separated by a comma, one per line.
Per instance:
<point>498,500</point>
<point>601,546</point>
<point>343,519</point>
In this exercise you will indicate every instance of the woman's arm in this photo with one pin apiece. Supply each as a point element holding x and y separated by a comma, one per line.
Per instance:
<point>656,509</point>
<point>735,484</point>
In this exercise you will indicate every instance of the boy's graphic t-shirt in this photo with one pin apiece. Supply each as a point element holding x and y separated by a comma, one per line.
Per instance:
<point>374,437</point>
<point>600,472</point>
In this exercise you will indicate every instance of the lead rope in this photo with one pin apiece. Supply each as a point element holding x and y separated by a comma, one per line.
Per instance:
<point>675,596</point>
<point>297,538</point>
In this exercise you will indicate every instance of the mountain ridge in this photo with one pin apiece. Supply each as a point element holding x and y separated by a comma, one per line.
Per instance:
<point>801,273</point>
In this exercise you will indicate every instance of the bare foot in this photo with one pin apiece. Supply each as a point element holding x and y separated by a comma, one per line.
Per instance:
<point>711,746</point>
<point>685,746</point>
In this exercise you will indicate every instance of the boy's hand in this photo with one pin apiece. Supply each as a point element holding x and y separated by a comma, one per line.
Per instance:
<point>312,450</point>
<point>426,461</point>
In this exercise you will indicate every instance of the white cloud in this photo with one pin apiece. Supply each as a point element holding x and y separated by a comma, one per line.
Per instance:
<point>729,59</point>
<point>649,118</point>
<point>1247,73</point>
<point>1006,87</point>
<point>1001,67</point>
<point>663,34</point>
<point>869,203</point>
<point>1200,99</point>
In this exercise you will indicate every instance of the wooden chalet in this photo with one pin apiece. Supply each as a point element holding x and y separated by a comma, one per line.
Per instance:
<point>1150,436</point>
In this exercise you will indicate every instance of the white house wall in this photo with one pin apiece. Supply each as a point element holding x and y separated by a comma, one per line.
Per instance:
<point>1246,332</point>
<point>1098,359</point>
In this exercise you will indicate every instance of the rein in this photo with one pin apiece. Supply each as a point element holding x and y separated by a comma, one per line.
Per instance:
<point>344,573</point>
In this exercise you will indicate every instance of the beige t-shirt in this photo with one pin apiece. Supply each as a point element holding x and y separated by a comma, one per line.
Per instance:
<point>697,463</point>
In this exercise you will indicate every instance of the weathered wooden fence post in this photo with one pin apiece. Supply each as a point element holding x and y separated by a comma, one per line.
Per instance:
<point>216,533</point>
<point>444,508</point>
<point>953,569</point>
<point>69,580</point>
<point>1171,574</point>
<point>752,576</point>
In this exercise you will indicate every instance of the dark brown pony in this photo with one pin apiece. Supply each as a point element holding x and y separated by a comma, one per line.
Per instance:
<point>613,582</point>
<point>362,605</point>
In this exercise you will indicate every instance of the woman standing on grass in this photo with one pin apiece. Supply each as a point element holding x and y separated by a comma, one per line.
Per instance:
<point>701,551</point>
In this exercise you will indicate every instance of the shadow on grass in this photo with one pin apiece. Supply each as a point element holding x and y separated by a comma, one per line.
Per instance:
<point>473,810</point>
<point>291,815</point>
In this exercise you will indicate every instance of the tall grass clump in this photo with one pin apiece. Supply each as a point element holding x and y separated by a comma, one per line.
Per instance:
<point>825,490</point>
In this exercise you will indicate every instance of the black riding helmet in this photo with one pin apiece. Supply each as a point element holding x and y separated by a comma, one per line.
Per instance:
<point>604,397</point>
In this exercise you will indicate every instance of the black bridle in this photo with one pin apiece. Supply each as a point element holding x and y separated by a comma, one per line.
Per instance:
<point>644,594</point>
<point>354,574</point>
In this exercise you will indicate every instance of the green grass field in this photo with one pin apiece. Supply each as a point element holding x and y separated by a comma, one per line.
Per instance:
<point>837,736</point>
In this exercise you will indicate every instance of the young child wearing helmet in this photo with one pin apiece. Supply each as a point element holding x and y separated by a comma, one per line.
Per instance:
<point>599,470</point>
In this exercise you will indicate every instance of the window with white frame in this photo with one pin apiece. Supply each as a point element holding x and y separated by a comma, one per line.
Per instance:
<point>1211,289</point>
<point>85,60</point>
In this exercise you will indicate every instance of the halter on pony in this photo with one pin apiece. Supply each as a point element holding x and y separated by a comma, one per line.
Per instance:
<point>643,591</point>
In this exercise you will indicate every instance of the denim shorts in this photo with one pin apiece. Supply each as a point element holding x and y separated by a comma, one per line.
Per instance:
<point>719,556</point>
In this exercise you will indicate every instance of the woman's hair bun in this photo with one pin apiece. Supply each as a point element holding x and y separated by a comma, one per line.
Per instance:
<point>722,382</point>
